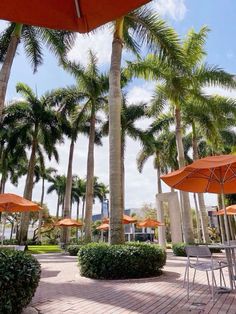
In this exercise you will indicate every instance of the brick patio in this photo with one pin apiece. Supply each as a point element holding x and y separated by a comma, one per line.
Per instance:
<point>62,290</point>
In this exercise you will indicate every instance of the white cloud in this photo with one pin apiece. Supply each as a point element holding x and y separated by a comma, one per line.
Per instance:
<point>143,92</point>
<point>220,91</point>
<point>175,9</point>
<point>99,42</point>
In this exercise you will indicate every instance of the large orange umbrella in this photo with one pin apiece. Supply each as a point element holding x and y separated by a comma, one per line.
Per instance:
<point>150,223</point>
<point>103,226</point>
<point>68,222</point>
<point>214,174</point>
<point>15,203</point>
<point>230,210</point>
<point>75,15</point>
<point>126,220</point>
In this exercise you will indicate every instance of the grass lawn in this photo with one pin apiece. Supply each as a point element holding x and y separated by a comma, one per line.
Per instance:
<point>41,249</point>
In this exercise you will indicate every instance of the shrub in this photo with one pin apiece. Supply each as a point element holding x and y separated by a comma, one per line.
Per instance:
<point>19,278</point>
<point>10,242</point>
<point>179,248</point>
<point>132,260</point>
<point>73,249</point>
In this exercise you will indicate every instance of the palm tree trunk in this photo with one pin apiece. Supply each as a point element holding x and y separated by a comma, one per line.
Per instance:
<point>115,101</point>
<point>90,179</point>
<point>160,207</point>
<point>25,217</point>
<point>123,172</point>
<point>201,201</point>
<point>58,205</point>
<point>186,210</point>
<point>77,217</point>
<point>67,201</point>
<point>41,212</point>
<point>7,64</point>
<point>83,210</point>
<point>2,184</point>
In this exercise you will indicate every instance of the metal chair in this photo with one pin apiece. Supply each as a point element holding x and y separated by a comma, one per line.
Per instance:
<point>197,260</point>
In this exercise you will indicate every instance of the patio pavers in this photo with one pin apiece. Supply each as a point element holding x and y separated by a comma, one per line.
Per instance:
<point>62,290</point>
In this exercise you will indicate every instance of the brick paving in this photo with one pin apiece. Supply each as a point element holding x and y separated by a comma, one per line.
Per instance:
<point>63,290</point>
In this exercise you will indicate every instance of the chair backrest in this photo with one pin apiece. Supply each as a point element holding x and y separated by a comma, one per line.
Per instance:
<point>197,251</point>
<point>232,242</point>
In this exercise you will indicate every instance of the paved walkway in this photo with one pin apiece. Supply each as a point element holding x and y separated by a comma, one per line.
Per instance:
<point>62,290</point>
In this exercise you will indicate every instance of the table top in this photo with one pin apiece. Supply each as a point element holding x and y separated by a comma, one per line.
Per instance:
<point>222,246</point>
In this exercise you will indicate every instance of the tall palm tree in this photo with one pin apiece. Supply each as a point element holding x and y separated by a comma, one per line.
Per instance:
<point>130,115</point>
<point>140,27</point>
<point>93,86</point>
<point>37,125</point>
<point>177,84</point>
<point>33,39</point>
<point>100,191</point>
<point>58,185</point>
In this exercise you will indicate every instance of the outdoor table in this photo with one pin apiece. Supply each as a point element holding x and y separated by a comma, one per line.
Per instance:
<point>230,256</point>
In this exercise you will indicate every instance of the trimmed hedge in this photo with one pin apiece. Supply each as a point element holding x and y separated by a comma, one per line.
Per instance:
<point>73,249</point>
<point>19,278</point>
<point>131,260</point>
<point>179,248</point>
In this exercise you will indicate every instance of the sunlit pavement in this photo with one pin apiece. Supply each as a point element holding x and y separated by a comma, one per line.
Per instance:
<point>62,290</point>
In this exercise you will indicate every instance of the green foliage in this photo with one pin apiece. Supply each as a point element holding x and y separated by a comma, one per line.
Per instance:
<point>179,249</point>
<point>73,249</point>
<point>42,249</point>
<point>132,260</point>
<point>10,242</point>
<point>19,278</point>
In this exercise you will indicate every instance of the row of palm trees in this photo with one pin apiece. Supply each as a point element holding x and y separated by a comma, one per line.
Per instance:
<point>178,69</point>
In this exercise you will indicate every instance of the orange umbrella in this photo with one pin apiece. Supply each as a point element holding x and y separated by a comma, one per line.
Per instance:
<point>75,15</point>
<point>149,223</point>
<point>15,203</point>
<point>68,222</point>
<point>230,210</point>
<point>126,220</point>
<point>103,226</point>
<point>213,174</point>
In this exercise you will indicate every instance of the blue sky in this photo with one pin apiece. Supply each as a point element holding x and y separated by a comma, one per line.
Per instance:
<point>218,15</point>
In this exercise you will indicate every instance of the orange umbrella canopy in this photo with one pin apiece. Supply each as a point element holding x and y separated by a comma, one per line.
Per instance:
<point>15,203</point>
<point>103,226</point>
<point>230,210</point>
<point>126,220</point>
<point>214,174</point>
<point>150,223</point>
<point>67,222</point>
<point>75,15</point>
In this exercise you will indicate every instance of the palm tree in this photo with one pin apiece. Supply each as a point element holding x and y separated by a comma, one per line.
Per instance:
<point>58,185</point>
<point>130,115</point>
<point>100,191</point>
<point>43,173</point>
<point>33,39</point>
<point>93,86</point>
<point>177,84</point>
<point>140,27</point>
<point>37,125</point>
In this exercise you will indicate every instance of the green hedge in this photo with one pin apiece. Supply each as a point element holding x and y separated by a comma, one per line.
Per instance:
<point>132,260</point>
<point>73,249</point>
<point>179,249</point>
<point>19,278</point>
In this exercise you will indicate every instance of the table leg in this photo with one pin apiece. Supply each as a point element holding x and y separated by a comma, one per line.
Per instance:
<point>230,268</point>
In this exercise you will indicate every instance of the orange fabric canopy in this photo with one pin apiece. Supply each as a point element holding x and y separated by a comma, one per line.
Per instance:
<point>75,15</point>
<point>68,222</point>
<point>149,223</point>
<point>103,226</point>
<point>230,210</point>
<point>15,203</point>
<point>126,220</point>
<point>214,174</point>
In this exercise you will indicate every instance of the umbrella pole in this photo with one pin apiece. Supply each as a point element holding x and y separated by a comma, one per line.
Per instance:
<point>3,227</point>
<point>225,218</point>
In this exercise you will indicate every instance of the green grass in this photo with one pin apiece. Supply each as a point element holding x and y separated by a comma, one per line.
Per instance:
<point>41,249</point>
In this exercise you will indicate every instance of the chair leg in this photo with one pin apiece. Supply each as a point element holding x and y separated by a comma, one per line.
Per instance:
<point>188,283</point>
<point>208,281</point>
<point>194,275</point>
<point>185,274</point>
<point>212,287</point>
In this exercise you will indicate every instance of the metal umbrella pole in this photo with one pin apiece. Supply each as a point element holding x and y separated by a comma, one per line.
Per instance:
<point>225,216</point>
